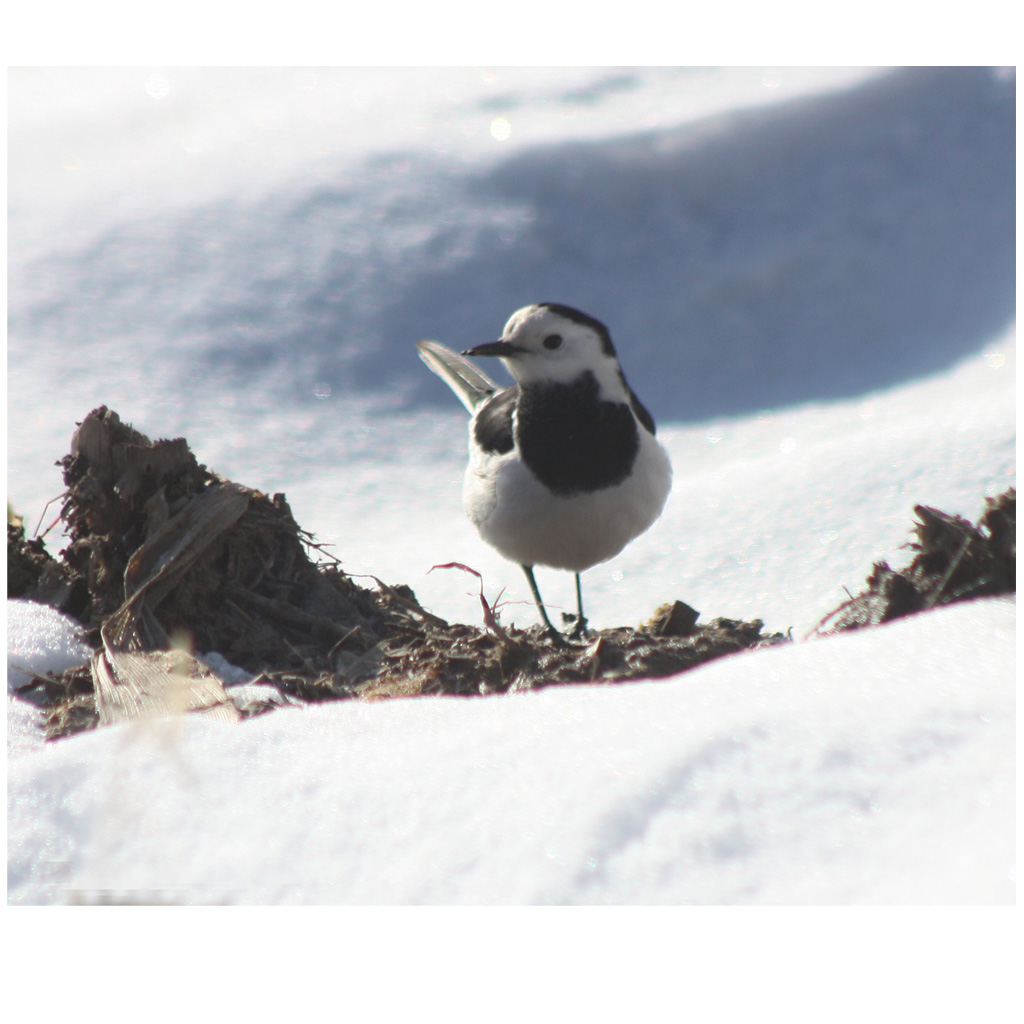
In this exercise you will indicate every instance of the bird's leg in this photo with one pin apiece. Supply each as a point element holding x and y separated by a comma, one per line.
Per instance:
<point>581,623</point>
<point>551,631</point>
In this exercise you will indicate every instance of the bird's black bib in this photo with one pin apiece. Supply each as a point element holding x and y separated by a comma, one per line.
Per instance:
<point>572,440</point>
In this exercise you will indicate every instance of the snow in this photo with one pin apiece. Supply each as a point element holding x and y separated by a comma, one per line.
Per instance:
<point>801,775</point>
<point>41,641</point>
<point>810,278</point>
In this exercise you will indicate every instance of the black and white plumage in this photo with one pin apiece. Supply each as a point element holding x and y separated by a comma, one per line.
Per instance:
<point>564,466</point>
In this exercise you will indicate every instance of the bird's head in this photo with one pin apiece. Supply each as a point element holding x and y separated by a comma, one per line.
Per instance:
<point>551,343</point>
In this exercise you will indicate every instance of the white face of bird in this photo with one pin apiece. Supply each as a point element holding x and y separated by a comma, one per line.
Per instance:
<point>541,344</point>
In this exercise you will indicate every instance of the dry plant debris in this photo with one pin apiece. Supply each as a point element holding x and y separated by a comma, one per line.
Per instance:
<point>954,561</point>
<point>463,660</point>
<point>165,558</point>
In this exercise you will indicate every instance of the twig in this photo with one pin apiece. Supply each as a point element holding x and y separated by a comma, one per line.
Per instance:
<point>934,596</point>
<point>34,678</point>
<point>43,513</point>
<point>412,606</point>
<point>344,640</point>
<point>280,611</point>
<point>307,539</point>
<point>490,611</point>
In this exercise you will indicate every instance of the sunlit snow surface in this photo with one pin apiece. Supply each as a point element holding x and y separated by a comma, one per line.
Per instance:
<point>809,278</point>
<point>873,768</point>
<point>40,640</point>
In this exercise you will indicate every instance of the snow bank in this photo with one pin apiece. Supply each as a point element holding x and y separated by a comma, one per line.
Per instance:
<point>873,767</point>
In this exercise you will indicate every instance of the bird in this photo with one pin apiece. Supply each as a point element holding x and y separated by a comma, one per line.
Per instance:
<point>564,467</point>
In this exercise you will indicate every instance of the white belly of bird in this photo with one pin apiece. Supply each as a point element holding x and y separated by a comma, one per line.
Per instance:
<point>526,523</point>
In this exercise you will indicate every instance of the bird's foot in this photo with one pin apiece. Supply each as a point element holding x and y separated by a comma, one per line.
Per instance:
<point>560,639</point>
<point>556,637</point>
<point>579,629</point>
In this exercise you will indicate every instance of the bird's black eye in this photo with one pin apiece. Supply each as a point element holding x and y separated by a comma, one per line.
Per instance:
<point>552,341</point>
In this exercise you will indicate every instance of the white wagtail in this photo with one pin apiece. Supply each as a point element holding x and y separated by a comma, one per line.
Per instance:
<point>564,468</point>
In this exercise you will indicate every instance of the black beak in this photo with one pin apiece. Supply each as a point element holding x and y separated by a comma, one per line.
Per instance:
<point>492,348</point>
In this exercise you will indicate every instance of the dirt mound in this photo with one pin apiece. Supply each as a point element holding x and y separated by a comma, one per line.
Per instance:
<point>955,561</point>
<point>457,659</point>
<point>165,558</point>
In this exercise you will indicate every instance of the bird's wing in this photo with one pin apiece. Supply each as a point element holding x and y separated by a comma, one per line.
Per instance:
<point>470,384</point>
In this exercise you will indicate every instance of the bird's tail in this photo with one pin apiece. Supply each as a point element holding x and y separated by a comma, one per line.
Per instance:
<point>470,384</point>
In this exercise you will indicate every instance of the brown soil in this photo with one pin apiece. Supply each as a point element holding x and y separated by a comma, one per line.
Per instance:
<point>164,554</point>
<point>955,561</point>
